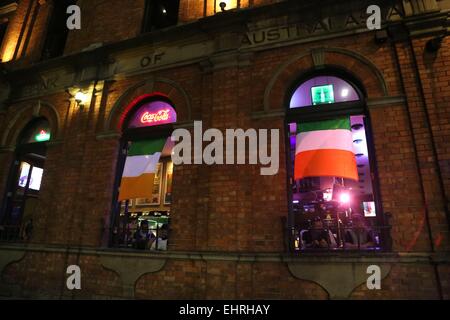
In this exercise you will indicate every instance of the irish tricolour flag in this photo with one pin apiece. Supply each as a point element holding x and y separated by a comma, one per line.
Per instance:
<point>325,149</point>
<point>140,169</point>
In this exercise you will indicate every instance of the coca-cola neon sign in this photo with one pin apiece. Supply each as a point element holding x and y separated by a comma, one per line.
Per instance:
<point>153,113</point>
<point>155,117</point>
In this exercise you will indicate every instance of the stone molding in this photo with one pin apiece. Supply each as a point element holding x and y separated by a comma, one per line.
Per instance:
<point>320,268</point>
<point>339,279</point>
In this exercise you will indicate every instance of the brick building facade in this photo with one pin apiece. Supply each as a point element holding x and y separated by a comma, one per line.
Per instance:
<point>230,227</point>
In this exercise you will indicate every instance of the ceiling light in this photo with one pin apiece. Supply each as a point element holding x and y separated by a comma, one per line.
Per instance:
<point>344,93</point>
<point>344,197</point>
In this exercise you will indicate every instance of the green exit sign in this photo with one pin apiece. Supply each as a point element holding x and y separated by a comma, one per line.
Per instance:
<point>42,136</point>
<point>322,94</point>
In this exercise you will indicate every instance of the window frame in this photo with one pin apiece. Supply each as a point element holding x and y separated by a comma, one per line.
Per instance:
<point>134,134</point>
<point>329,111</point>
<point>20,155</point>
<point>146,25</point>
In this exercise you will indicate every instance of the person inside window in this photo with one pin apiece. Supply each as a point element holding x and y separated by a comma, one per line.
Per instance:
<point>161,241</point>
<point>359,235</point>
<point>143,237</point>
<point>319,236</point>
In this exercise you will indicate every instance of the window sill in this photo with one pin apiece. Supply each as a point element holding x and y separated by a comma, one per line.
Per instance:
<point>321,257</point>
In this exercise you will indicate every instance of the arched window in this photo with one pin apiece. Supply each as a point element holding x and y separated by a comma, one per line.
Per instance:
<point>25,181</point>
<point>324,89</point>
<point>333,197</point>
<point>144,179</point>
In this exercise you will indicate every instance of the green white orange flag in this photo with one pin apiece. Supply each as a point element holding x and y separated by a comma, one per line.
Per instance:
<point>140,169</point>
<point>325,149</point>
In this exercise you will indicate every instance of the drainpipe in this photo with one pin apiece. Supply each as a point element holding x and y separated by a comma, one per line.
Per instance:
<point>430,131</point>
<point>416,154</point>
<point>435,156</point>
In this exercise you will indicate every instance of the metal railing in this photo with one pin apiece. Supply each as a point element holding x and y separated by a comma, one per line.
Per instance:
<point>344,238</point>
<point>14,234</point>
<point>138,239</point>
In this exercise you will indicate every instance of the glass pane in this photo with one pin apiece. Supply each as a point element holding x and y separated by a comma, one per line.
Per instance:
<point>323,90</point>
<point>156,193</point>
<point>322,203</point>
<point>24,171</point>
<point>36,178</point>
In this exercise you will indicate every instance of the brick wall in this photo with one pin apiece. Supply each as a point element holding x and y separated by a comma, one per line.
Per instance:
<point>234,208</point>
<point>406,281</point>
<point>43,275</point>
<point>237,194</point>
<point>27,29</point>
<point>98,27</point>
<point>225,280</point>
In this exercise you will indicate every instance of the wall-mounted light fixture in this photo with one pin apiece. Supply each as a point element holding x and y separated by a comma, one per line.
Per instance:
<point>80,98</point>
<point>224,5</point>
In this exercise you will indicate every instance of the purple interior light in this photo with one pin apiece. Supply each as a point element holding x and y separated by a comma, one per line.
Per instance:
<point>343,91</point>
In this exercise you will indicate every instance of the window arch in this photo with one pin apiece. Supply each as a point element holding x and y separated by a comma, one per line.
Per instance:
<point>143,193</point>
<point>323,89</point>
<point>333,192</point>
<point>24,182</point>
<point>37,131</point>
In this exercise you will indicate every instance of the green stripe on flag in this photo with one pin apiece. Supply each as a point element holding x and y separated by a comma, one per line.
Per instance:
<point>146,147</point>
<point>340,123</point>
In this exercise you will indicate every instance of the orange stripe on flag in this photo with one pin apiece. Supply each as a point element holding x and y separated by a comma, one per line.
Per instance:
<point>137,187</point>
<point>325,163</point>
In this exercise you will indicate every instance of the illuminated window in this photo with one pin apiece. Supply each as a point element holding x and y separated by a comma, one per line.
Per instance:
<point>323,90</point>
<point>334,202</point>
<point>224,5</point>
<point>144,176</point>
<point>25,182</point>
<point>160,14</point>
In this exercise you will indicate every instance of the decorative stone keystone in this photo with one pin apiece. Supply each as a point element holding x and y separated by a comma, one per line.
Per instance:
<point>131,269</point>
<point>9,256</point>
<point>339,279</point>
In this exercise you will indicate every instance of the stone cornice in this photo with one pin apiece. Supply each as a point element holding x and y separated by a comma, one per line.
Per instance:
<point>343,257</point>
<point>8,9</point>
<point>214,42</point>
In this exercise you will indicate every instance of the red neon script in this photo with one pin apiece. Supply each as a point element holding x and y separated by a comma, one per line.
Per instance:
<point>161,115</point>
